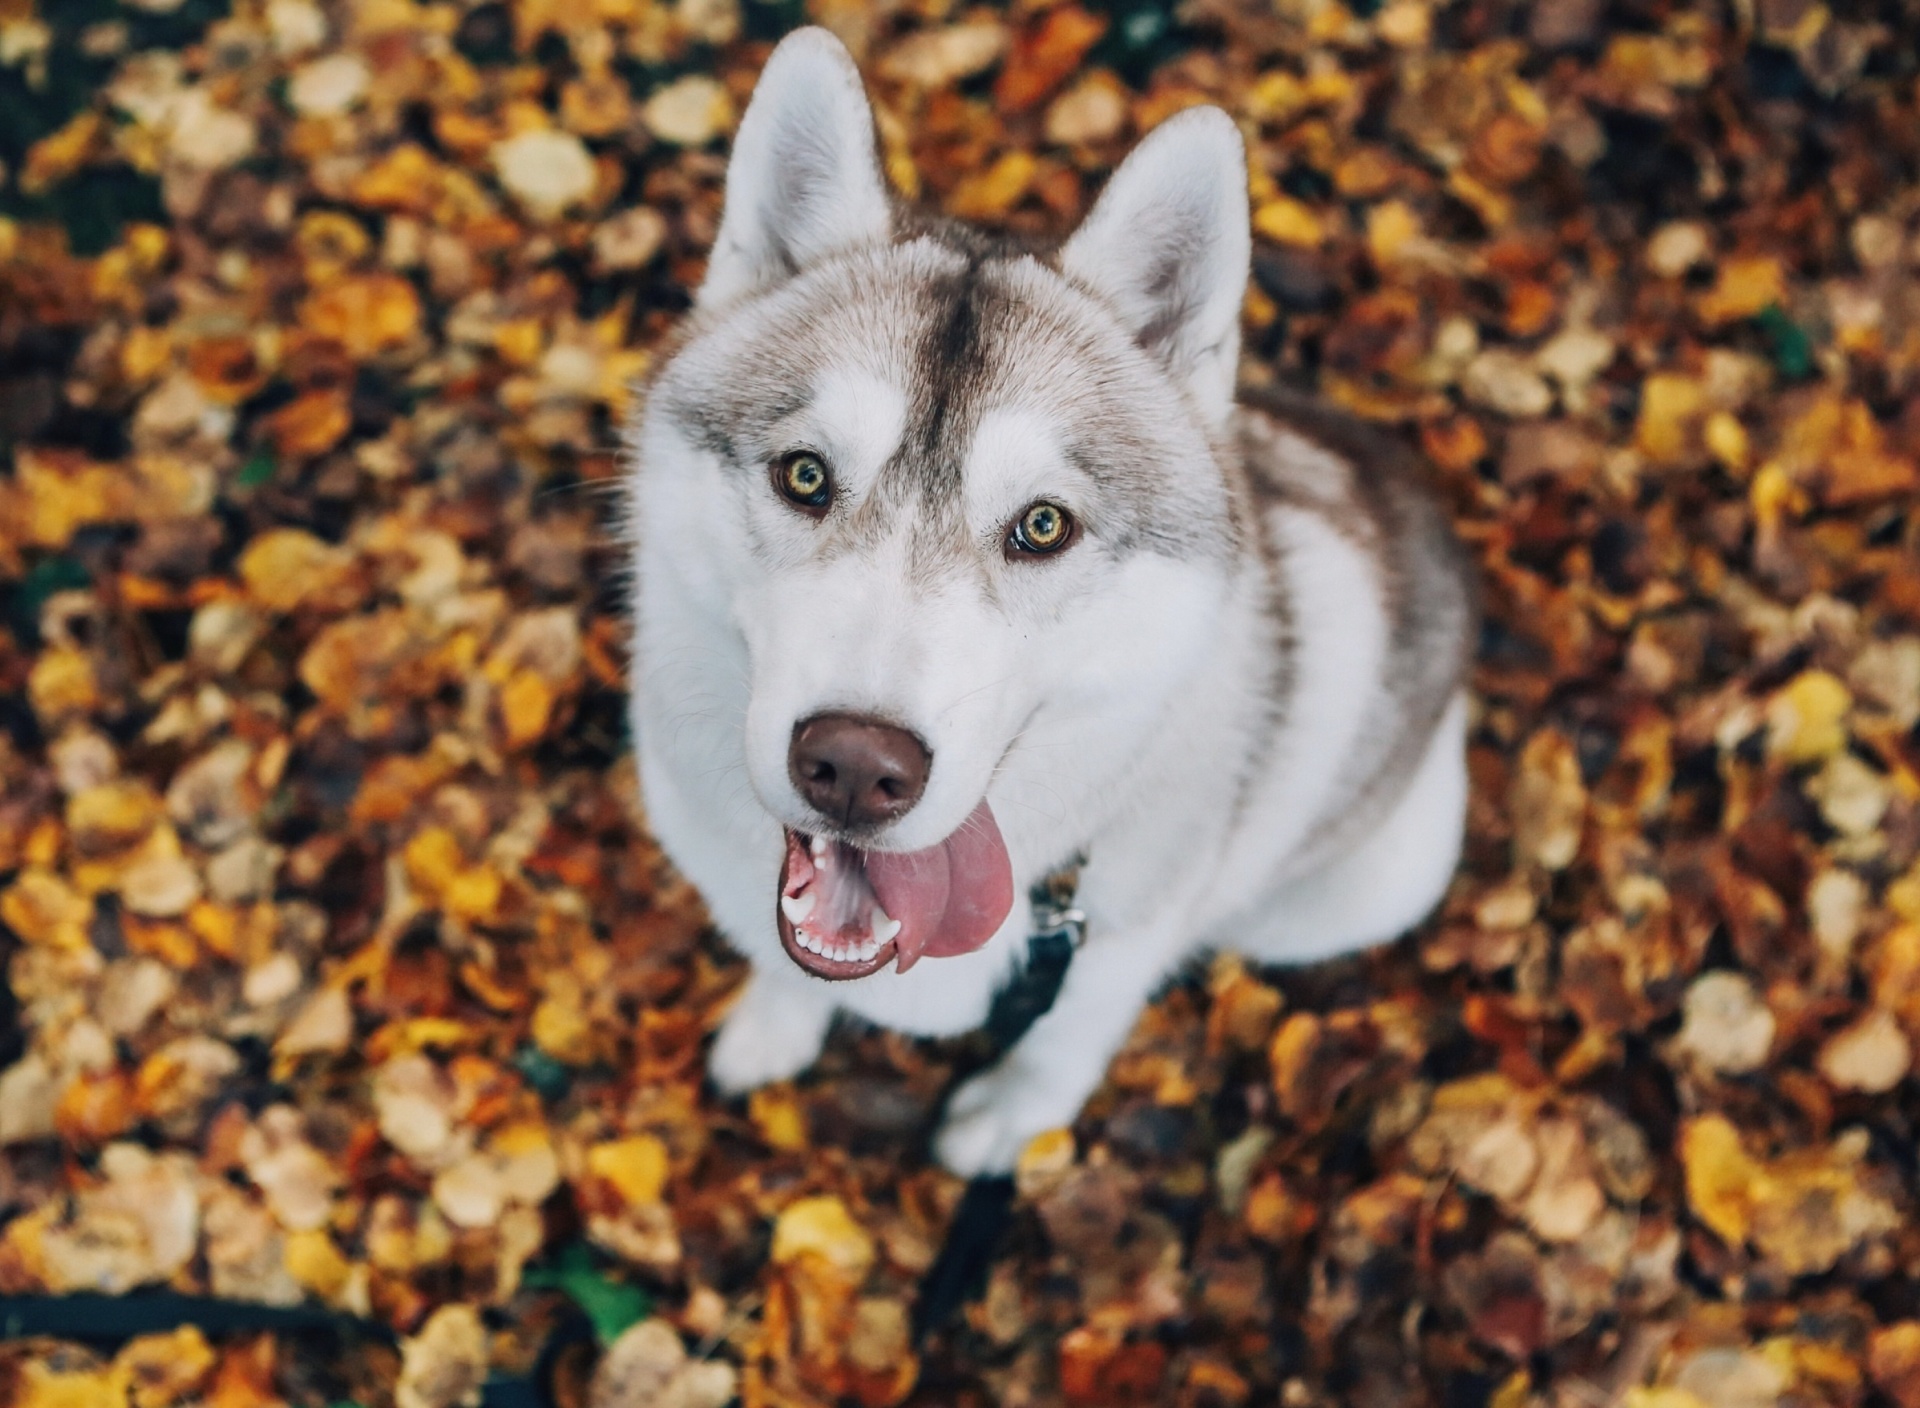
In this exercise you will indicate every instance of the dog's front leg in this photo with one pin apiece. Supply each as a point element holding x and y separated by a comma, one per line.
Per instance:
<point>1042,1082</point>
<point>774,1032</point>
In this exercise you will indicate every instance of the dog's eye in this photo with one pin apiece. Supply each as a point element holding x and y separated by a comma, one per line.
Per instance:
<point>1043,528</point>
<point>803,480</point>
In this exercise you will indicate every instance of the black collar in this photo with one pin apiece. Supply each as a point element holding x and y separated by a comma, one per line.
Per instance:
<point>1058,929</point>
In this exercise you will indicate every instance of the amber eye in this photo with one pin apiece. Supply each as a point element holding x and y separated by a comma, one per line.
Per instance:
<point>1043,528</point>
<point>802,479</point>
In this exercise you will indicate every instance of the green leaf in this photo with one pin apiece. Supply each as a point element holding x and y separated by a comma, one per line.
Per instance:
<point>43,579</point>
<point>53,574</point>
<point>256,471</point>
<point>1792,348</point>
<point>548,1077</point>
<point>610,1306</point>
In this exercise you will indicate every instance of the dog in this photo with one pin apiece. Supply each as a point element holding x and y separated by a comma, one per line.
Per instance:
<point>957,559</point>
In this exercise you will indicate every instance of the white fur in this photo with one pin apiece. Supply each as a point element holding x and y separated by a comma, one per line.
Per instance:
<point>803,181</point>
<point>1107,701</point>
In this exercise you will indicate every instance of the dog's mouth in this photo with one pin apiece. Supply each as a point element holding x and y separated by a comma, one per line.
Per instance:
<point>845,913</point>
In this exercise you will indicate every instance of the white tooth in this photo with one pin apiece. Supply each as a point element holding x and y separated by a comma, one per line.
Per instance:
<point>812,944</point>
<point>883,928</point>
<point>798,907</point>
<point>819,848</point>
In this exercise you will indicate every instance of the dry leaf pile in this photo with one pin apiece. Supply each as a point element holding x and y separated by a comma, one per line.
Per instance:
<point>342,974</point>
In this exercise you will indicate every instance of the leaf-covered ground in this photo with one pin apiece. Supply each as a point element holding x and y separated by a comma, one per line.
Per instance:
<point>341,973</point>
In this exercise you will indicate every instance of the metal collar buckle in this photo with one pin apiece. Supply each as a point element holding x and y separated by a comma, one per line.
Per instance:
<point>1054,911</point>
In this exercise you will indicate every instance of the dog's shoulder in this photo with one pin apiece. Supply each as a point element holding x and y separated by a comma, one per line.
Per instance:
<point>1370,486</point>
<point>1301,450</point>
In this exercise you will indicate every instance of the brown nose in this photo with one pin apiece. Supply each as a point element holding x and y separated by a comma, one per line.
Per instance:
<point>857,771</point>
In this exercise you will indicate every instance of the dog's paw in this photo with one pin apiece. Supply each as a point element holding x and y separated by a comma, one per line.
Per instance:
<point>767,1037</point>
<point>989,1121</point>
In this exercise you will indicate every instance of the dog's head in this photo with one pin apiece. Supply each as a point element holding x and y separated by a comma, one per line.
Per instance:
<point>952,494</point>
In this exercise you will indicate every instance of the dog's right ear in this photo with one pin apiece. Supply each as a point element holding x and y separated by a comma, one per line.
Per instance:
<point>805,175</point>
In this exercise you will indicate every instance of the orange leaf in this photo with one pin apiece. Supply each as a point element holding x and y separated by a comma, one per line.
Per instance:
<point>365,314</point>
<point>1045,56</point>
<point>526,706</point>
<point>311,425</point>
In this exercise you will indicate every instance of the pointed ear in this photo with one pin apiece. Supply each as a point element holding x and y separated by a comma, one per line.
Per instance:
<point>805,176</point>
<point>1167,247</point>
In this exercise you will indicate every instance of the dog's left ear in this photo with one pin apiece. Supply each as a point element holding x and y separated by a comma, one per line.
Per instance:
<point>1167,247</point>
<point>804,178</point>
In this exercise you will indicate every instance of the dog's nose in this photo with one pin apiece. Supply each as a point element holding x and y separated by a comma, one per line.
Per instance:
<point>857,771</point>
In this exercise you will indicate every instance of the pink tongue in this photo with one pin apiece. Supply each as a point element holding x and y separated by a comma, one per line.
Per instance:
<point>950,898</point>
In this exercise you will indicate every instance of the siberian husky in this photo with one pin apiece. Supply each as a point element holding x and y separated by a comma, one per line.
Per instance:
<point>956,559</point>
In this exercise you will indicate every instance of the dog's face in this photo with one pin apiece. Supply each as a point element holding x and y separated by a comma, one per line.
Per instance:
<point>949,494</point>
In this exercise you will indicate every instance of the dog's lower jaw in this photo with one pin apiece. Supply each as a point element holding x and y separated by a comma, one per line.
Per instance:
<point>774,1032</point>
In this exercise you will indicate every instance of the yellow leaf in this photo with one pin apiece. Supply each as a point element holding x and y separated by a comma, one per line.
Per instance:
<point>777,1115</point>
<point>822,1229</point>
<point>1903,896</point>
<point>216,926</point>
<point>1391,225</point>
<point>111,816</point>
<point>1727,441</point>
<point>43,909</point>
<point>433,859</point>
<point>436,864</point>
<point>407,178</point>
<point>1773,495</point>
<point>422,1033</point>
<point>1722,1182</point>
<point>62,682</point>
<point>62,492</point>
<point>41,1387</point>
<point>330,243</point>
<point>1047,1156</point>
<point>285,567</point>
<point>315,1262</point>
<point>1277,97</point>
<point>1746,286</point>
<point>1516,1392</point>
<point>1807,718</point>
<point>160,1370</point>
<point>57,156</point>
<point>473,894</point>
<point>519,341</point>
<point>636,1168</point>
<point>145,352</point>
<point>1670,410</point>
<point>1663,1398</point>
<point>1288,221</point>
<point>561,1028</point>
